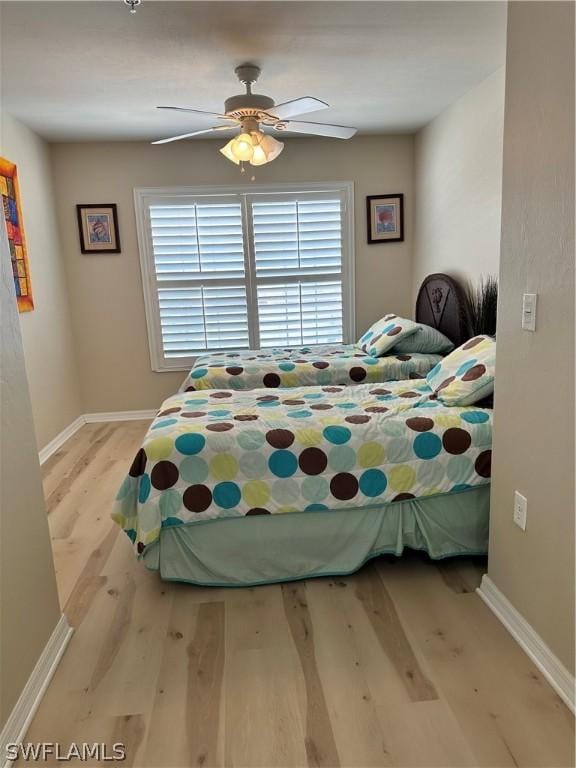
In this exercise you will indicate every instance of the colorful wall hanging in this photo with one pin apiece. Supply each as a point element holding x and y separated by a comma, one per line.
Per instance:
<point>385,214</point>
<point>98,228</point>
<point>15,227</point>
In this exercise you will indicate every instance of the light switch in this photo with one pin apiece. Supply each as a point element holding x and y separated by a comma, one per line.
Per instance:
<point>529,311</point>
<point>520,510</point>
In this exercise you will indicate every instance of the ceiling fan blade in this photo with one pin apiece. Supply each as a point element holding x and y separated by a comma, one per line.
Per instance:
<point>297,107</point>
<point>194,133</point>
<point>196,111</point>
<point>320,129</point>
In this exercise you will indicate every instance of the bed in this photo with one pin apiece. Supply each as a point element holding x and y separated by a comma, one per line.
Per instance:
<point>440,304</point>
<point>235,488</point>
<point>303,366</point>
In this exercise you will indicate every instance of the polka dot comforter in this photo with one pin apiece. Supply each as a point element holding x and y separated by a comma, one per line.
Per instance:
<point>218,454</point>
<point>303,366</point>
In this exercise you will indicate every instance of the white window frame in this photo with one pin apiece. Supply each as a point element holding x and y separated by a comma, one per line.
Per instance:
<point>144,197</point>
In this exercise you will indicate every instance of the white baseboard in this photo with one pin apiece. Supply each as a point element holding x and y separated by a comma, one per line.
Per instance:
<point>17,724</point>
<point>530,641</point>
<point>60,439</point>
<point>92,418</point>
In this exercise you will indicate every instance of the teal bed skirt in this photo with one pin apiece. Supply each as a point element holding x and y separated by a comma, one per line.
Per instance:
<point>263,549</point>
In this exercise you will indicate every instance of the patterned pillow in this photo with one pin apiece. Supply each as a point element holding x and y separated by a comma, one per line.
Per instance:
<point>426,340</point>
<point>466,375</point>
<point>385,334</point>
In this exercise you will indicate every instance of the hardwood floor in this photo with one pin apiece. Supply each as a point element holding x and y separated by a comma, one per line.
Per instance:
<point>400,664</point>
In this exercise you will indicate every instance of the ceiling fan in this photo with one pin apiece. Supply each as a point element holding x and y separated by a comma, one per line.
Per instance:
<point>252,112</point>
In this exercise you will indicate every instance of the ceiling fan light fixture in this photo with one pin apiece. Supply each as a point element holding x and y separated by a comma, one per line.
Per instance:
<point>242,147</point>
<point>228,154</point>
<point>255,148</point>
<point>271,148</point>
<point>258,156</point>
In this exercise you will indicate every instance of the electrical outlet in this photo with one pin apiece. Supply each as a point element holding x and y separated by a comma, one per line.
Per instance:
<point>520,510</point>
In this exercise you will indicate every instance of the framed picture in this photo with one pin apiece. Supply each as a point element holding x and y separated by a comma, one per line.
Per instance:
<point>12,208</point>
<point>98,228</point>
<point>385,218</point>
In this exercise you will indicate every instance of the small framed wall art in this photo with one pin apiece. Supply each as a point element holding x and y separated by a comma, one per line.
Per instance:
<point>385,214</point>
<point>98,228</point>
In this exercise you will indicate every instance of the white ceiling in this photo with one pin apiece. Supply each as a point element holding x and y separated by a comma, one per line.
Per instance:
<point>90,70</point>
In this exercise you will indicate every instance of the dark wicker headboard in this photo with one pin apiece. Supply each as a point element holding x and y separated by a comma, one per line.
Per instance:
<point>441,303</point>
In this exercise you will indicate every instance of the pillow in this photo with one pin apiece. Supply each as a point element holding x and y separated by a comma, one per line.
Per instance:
<point>385,333</point>
<point>467,374</point>
<point>426,340</point>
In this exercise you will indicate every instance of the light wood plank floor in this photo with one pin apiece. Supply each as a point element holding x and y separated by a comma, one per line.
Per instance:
<point>400,664</point>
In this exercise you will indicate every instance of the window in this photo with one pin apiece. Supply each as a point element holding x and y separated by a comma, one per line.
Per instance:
<point>243,269</point>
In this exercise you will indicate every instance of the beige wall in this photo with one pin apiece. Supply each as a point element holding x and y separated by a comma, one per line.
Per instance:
<point>106,291</point>
<point>46,332</point>
<point>458,172</point>
<point>534,398</point>
<point>29,607</point>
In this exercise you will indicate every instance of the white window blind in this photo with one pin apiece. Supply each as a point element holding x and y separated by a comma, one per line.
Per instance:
<point>293,314</point>
<point>303,236</point>
<point>198,252</point>
<point>196,319</point>
<point>239,269</point>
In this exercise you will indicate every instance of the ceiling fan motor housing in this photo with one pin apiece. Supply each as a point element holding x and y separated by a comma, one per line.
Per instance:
<point>247,105</point>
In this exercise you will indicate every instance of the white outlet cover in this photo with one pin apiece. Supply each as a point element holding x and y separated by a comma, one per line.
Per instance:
<point>529,311</point>
<point>520,510</point>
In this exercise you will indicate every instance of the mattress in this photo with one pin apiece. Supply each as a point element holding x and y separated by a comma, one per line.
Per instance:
<point>303,366</point>
<point>224,454</point>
